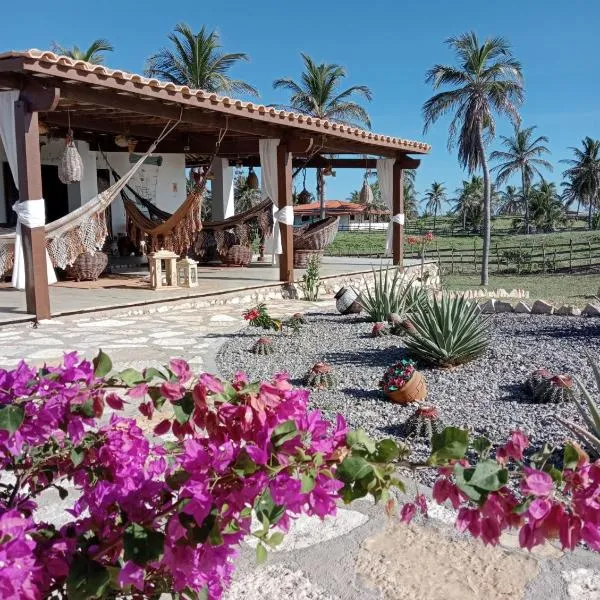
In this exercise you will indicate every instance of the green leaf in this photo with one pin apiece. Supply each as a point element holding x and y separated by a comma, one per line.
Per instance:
<point>308,483</point>
<point>387,451</point>
<point>62,492</point>
<point>354,468</point>
<point>571,457</point>
<point>177,479</point>
<point>266,510</point>
<point>261,553</point>
<point>142,545</point>
<point>11,417</point>
<point>488,475</point>
<point>150,374</point>
<point>131,377</point>
<point>102,364</point>
<point>360,439</point>
<point>482,445</point>
<point>283,433</point>
<point>87,579</point>
<point>275,539</point>
<point>184,408</point>
<point>451,443</point>
<point>461,476</point>
<point>77,455</point>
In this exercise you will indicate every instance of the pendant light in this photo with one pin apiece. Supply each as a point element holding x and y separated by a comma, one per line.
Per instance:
<point>304,197</point>
<point>252,179</point>
<point>365,196</point>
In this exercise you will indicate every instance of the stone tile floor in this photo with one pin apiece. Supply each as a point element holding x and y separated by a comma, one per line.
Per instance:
<point>360,554</point>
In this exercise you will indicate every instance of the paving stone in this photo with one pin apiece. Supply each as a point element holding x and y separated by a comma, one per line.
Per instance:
<point>583,584</point>
<point>591,310</point>
<point>522,307</point>
<point>223,318</point>
<point>568,310</point>
<point>105,323</point>
<point>540,307</point>
<point>164,334</point>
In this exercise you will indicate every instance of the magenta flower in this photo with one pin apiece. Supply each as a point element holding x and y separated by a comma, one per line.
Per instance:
<point>131,574</point>
<point>536,483</point>
<point>407,513</point>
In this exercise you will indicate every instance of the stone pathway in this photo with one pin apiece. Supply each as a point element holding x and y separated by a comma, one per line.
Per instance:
<point>360,554</point>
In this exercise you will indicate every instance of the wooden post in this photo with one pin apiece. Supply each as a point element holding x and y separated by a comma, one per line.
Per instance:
<point>284,195</point>
<point>397,209</point>
<point>30,188</point>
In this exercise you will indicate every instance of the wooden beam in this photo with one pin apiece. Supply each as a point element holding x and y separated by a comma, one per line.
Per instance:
<point>37,295</point>
<point>398,209</point>
<point>406,162</point>
<point>284,196</point>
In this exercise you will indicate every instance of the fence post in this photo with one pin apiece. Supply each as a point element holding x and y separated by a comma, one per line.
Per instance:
<point>452,260</point>
<point>589,254</point>
<point>475,255</point>
<point>543,257</point>
<point>554,261</point>
<point>570,255</point>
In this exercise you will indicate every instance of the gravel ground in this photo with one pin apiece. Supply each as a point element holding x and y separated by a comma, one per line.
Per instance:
<point>485,395</point>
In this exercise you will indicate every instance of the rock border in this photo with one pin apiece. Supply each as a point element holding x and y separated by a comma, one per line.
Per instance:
<point>540,307</point>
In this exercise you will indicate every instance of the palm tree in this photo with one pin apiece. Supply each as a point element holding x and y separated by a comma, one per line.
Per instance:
<point>547,209</point>
<point>469,201</point>
<point>434,197</point>
<point>196,60</point>
<point>511,200</point>
<point>411,209</point>
<point>487,79</point>
<point>584,175</point>
<point>318,94</point>
<point>94,53</point>
<point>522,155</point>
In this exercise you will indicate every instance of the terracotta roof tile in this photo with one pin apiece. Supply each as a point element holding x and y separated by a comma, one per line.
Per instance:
<point>48,57</point>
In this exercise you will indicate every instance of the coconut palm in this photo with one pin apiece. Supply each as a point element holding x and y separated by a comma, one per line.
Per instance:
<point>547,210</point>
<point>318,94</point>
<point>94,53</point>
<point>522,155</point>
<point>196,60</point>
<point>511,200</point>
<point>434,197</point>
<point>487,80</point>
<point>411,209</point>
<point>583,175</point>
<point>468,202</point>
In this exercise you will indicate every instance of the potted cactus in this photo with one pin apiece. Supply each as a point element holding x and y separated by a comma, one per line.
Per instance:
<point>320,377</point>
<point>262,346</point>
<point>547,388</point>
<point>423,423</point>
<point>379,330</point>
<point>402,383</point>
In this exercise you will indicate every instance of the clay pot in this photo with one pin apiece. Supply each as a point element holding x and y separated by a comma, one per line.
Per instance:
<point>347,301</point>
<point>413,390</point>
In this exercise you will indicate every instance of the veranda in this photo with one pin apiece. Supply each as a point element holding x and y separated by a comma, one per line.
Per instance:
<point>98,105</point>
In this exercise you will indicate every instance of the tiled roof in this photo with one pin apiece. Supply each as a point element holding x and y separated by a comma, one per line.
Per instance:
<point>331,206</point>
<point>249,108</point>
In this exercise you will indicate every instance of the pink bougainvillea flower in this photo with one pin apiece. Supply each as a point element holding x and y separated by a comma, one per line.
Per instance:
<point>514,448</point>
<point>407,513</point>
<point>469,519</point>
<point>172,391</point>
<point>421,503</point>
<point>539,509</point>
<point>115,401</point>
<point>163,427</point>
<point>181,369</point>
<point>490,531</point>
<point>444,489</point>
<point>590,533</point>
<point>131,574</point>
<point>138,391</point>
<point>536,483</point>
<point>570,531</point>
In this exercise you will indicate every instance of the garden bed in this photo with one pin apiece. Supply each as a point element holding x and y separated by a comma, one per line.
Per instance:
<point>485,395</point>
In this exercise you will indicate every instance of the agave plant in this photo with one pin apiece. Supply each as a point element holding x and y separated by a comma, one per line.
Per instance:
<point>447,331</point>
<point>391,293</point>
<point>590,434</point>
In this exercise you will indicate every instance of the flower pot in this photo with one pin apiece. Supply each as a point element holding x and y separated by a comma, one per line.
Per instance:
<point>413,390</point>
<point>347,301</point>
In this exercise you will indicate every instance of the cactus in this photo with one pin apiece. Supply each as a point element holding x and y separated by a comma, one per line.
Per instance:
<point>555,390</point>
<point>536,378</point>
<point>423,423</point>
<point>320,377</point>
<point>379,330</point>
<point>263,346</point>
<point>399,324</point>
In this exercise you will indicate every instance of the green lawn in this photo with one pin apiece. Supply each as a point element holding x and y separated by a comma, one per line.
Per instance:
<point>558,288</point>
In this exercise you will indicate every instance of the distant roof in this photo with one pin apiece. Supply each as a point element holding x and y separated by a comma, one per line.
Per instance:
<point>71,75</point>
<point>332,207</point>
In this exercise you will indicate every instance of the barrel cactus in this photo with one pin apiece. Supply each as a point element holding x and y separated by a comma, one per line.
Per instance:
<point>556,390</point>
<point>536,378</point>
<point>399,324</point>
<point>423,423</point>
<point>263,346</point>
<point>379,330</point>
<point>320,377</point>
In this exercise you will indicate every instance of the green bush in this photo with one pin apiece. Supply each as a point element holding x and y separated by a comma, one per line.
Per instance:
<point>391,293</point>
<point>448,331</point>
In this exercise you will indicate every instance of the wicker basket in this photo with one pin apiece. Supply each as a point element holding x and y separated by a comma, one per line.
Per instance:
<point>88,267</point>
<point>316,236</point>
<point>238,256</point>
<point>70,167</point>
<point>301,257</point>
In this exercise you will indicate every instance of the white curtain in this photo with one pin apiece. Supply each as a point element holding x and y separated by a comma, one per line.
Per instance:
<point>385,176</point>
<point>268,175</point>
<point>30,213</point>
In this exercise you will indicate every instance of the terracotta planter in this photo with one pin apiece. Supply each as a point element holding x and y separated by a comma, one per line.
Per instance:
<point>347,301</point>
<point>412,391</point>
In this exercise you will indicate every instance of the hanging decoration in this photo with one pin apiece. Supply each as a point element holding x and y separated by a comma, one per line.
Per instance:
<point>70,167</point>
<point>252,179</point>
<point>304,197</point>
<point>365,196</point>
<point>121,141</point>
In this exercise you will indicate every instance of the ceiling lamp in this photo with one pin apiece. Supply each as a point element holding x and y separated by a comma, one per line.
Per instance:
<point>252,179</point>
<point>122,141</point>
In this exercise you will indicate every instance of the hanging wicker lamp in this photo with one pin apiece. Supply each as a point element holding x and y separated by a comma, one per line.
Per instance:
<point>304,197</point>
<point>366,194</point>
<point>252,179</point>
<point>70,167</point>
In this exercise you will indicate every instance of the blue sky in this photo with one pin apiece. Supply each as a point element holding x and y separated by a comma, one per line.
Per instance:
<point>387,45</point>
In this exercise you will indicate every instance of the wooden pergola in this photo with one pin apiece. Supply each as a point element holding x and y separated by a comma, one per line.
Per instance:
<point>100,103</point>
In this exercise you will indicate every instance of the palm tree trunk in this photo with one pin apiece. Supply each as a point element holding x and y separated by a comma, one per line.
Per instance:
<point>590,211</point>
<point>525,189</point>
<point>434,218</point>
<point>321,191</point>
<point>487,211</point>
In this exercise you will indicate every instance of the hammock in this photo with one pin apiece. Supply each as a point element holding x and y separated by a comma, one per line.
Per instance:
<point>83,230</point>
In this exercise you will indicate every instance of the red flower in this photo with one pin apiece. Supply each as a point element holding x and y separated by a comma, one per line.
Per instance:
<point>252,315</point>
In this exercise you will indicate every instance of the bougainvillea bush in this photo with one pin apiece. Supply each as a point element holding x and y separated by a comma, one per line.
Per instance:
<point>162,473</point>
